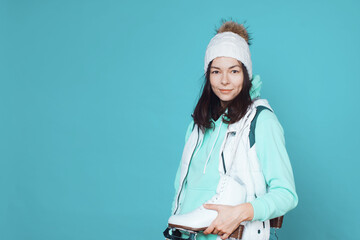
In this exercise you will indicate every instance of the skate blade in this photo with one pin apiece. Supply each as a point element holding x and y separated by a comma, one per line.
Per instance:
<point>237,234</point>
<point>177,234</point>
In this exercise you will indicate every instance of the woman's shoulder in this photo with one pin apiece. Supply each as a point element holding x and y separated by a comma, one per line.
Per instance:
<point>267,121</point>
<point>264,111</point>
<point>266,115</point>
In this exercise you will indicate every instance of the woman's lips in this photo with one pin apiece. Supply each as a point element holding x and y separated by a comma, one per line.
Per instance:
<point>225,90</point>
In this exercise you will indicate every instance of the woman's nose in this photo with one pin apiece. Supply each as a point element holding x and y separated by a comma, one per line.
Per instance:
<point>224,79</point>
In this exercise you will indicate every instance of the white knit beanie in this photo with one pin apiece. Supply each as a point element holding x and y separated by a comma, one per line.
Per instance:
<point>229,44</point>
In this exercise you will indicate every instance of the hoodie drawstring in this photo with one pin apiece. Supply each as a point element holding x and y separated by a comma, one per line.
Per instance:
<point>208,158</point>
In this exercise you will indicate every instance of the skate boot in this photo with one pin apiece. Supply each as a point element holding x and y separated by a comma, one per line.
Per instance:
<point>228,192</point>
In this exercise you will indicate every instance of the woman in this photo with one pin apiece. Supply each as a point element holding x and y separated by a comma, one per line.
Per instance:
<point>234,159</point>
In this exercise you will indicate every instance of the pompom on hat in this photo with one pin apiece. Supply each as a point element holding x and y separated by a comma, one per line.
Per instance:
<point>228,43</point>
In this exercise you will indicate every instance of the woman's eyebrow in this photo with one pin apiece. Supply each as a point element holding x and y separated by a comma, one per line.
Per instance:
<point>228,68</point>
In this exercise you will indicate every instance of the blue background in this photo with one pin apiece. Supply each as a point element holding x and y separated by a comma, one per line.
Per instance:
<point>95,98</point>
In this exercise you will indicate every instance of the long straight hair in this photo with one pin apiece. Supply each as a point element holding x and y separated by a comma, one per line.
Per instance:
<point>209,107</point>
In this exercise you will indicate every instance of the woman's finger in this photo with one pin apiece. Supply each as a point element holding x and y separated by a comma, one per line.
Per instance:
<point>211,206</point>
<point>225,236</point>
<point>215,231</point>
<point>209,230</point>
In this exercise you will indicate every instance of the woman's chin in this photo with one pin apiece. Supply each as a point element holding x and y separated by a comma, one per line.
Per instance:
<point>226,99</point>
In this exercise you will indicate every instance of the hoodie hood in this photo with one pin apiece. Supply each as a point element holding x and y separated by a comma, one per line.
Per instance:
<point>256,87</point>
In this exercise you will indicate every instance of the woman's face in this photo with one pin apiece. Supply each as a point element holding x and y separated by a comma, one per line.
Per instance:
<point>226,78</point>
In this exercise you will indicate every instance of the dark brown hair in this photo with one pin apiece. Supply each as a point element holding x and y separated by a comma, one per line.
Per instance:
<point>209,105</point>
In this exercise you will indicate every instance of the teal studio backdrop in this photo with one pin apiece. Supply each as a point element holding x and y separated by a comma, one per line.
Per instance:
<point>95,98</point>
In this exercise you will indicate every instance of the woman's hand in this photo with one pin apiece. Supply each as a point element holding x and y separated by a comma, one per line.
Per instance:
<point>229,218</point>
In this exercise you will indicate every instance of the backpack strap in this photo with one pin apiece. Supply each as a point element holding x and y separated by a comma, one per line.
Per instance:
<point>253,124</point>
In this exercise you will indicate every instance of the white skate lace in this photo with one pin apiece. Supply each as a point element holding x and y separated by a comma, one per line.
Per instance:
<point>216,197</point>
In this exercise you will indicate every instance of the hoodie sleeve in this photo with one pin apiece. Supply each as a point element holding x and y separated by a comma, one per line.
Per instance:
<point>274,160</point>
<point>177,176</point>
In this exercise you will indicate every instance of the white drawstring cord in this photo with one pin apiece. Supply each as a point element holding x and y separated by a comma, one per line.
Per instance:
<point>207,160</point>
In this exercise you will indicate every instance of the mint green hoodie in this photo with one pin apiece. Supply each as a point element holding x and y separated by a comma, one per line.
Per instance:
<point>200,184</point>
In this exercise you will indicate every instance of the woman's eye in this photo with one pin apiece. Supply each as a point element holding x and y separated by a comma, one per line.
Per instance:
<point>215,72</point>
<point>235,71</point>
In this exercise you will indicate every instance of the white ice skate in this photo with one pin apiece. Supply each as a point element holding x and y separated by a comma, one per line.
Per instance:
<point>228,192</point>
